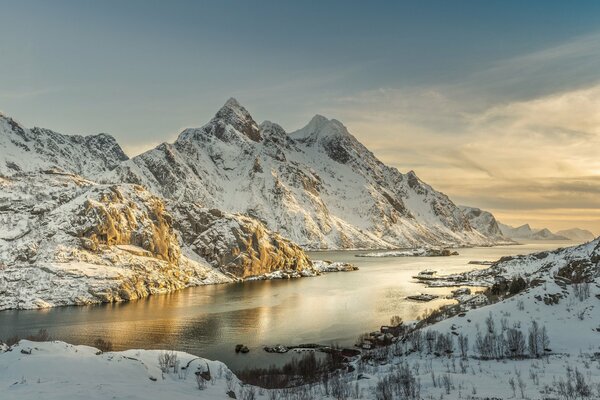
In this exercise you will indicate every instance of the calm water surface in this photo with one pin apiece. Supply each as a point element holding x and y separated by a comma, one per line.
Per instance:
<point>209,321</point>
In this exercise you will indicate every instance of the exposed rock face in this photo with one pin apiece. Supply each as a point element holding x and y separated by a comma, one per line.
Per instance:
<point>117,215</point>
<point>36,149</point>
<point>318,186</point>
<point>484,222</point>
<point>237,244</point>
<point>85,243</point>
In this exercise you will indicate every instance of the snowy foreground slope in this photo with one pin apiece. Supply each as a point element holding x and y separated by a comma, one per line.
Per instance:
<point>542,342</point>
<point>319,186</point>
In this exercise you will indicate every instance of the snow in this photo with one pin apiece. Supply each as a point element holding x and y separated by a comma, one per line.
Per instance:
<point>57,370</point>
<point>318,186</point>
<point>37,149</point>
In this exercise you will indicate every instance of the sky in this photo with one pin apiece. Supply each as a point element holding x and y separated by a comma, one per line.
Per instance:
<point>495,103</point>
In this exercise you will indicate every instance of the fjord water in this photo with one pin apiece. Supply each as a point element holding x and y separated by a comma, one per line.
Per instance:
<point>209,321</point>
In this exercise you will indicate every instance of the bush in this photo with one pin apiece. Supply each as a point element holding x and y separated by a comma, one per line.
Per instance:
<point>41,336</point>
<point>400,384</point>
<point>517,285</point>
<point>103,345</point>
<point>299,371</point>
<point>167,360</point>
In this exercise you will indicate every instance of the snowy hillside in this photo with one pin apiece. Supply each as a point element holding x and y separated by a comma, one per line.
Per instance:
<point>67,240</point>
<point>318,186</point>
<point>36,149</point>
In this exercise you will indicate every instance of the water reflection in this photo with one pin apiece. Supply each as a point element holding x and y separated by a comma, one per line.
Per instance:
<point>210,320</point>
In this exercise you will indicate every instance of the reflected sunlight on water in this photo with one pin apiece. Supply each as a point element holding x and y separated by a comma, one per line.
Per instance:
<point>210,320</point>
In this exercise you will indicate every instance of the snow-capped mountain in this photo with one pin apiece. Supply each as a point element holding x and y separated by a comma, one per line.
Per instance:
<point>484,222</point>
<point>28,150</point>
<point>527,232</point>
<point>577,235</point>
<point>318,186</point>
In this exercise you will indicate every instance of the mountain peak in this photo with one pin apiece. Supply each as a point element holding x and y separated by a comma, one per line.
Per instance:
<point>320,127</point>
<point>233,103</point>
<point>233,108</point>
<point>234,114</point>
<point>231,121</point>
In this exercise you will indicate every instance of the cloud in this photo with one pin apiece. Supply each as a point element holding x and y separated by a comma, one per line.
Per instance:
<point>531,153</point>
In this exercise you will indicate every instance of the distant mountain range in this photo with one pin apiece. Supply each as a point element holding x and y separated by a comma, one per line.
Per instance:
<point>526,232</point>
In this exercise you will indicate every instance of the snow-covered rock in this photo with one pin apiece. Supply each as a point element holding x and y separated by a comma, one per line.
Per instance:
<point>237,244</point>
<point>86,243</point>
<point>318,186</point>
<point>485,223</point>
<point>67,240</point>
<point>36,149</point>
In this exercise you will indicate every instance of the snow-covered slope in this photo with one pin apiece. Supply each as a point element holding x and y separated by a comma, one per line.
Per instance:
<point>27,150</point>
<point>577,235</point>
<point>67,240</point>
<point>60,371</point>
<point>485,223</point>
<point>528,233</point>
<point>318,186</point>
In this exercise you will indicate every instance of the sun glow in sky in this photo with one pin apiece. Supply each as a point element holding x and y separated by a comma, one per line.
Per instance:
<point>495,103</point>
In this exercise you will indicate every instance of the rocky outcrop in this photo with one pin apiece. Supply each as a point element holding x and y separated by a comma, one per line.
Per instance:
<point>127,215</point>
<point>237,244</point>
<point>485,223</point>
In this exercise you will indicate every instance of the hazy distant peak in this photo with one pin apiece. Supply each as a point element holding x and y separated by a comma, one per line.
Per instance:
<point>320,127</point>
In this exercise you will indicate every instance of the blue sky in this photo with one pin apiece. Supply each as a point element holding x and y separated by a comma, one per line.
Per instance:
<point>428,85</point>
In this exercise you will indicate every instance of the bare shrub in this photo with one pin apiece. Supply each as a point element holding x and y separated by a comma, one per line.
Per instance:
<point>538,340</point>
<point>298,371</point>
<point>399,384</point>
<point>582,290</point>
<point>41,336</point>
<point>447,383</point>
<point>574,386</point>
<point>167,360</point>
<point>103,345</point>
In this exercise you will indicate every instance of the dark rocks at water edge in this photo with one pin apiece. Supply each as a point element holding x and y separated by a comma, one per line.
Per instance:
<point>418,252</point>
<point>422,297</point>
<point>240,348</point>
<point>281,349</point>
